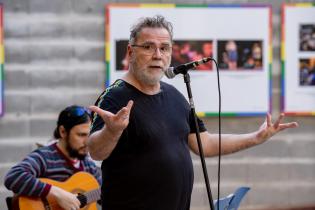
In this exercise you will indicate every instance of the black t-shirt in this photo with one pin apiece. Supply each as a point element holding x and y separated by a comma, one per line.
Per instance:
<point>150,167</point>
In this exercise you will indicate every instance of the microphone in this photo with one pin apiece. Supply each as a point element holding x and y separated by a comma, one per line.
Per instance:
<point>171,72</point>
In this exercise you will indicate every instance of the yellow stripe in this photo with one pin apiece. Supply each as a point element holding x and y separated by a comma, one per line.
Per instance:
<point>282,50</point>
<point>270,54</point>
<point>1,54</point>
<point>304,4</point>
<point>107,52</point>
<point>201,114</point>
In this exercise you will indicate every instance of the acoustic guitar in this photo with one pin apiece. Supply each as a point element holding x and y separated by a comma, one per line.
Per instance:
<point>82,183</point>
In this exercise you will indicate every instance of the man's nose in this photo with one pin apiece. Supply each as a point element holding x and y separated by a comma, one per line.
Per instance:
<point>85,140</point>
<point>157,53</point>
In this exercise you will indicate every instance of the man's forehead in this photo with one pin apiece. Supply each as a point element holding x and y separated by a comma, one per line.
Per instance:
<point>155,34</point>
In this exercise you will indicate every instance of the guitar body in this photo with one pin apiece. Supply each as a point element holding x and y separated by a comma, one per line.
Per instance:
<point>80,182</point>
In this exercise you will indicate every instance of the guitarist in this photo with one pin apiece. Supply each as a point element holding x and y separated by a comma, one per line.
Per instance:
<point>58,161</point>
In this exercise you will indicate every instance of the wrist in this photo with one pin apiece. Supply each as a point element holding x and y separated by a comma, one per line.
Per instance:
<point>54,192</point>
<point>111,135</point>
<point>258,137</point>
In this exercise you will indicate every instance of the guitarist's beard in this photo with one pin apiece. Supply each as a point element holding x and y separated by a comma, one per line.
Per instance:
<point>74,153</point>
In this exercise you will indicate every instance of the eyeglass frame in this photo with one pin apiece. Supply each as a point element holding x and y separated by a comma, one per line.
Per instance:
<point>146,51</point>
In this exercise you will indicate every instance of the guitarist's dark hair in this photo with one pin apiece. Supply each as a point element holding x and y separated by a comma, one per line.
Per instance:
<point>72,116</point>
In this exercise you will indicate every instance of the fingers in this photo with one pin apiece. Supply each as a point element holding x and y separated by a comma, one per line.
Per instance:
<point>103,113</point>
<point>129,105</point>
<point>288,125</point>
<point>276,124</point>
<point>125,111</point>
<point>122,114</point>
<point>96,109</point>
<point>268,120</point>
<point>75,208</point>
<point>281,126</point>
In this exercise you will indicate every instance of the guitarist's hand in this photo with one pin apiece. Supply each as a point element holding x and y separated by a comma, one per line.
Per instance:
<point>65,200</point>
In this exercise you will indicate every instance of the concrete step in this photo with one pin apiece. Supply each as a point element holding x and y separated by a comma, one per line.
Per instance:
<point>13,150</point>
<point>60,7</point>
<point>47,101</point>
<point>48,25</point>
<point>53,79</point>
<point>259,170</point>
<point>33,50</point>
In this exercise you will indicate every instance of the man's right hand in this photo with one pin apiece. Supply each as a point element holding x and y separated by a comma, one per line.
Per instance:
<point>115,123</point>
<point>102,142</point>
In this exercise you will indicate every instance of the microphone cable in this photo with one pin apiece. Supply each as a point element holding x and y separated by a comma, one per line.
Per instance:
<point>219,116</point>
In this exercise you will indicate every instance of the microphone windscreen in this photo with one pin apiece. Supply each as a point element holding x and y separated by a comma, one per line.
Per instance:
<point>169,73</point>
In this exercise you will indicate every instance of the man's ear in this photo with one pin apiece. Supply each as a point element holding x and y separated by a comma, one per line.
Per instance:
<point>129,50</point>
<point>62,131</point>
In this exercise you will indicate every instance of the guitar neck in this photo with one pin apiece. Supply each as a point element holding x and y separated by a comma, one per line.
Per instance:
<point>89,197</point>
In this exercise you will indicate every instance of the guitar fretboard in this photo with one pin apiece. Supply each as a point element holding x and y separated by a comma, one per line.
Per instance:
<point>89,197</point>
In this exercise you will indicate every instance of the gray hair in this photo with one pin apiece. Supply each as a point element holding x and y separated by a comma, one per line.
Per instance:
<point>157,21</point>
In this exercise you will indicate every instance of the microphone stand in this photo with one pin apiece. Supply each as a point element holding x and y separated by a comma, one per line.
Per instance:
<point>202,157</point>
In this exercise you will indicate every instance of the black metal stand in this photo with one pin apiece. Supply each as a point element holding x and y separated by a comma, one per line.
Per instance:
<point>201,154</point>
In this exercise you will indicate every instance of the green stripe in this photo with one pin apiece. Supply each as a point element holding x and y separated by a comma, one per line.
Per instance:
<point>1,73</point>
<point>282,69</point>
<point>107,73</point>
<point>270,71</point>
<point>215,114</point>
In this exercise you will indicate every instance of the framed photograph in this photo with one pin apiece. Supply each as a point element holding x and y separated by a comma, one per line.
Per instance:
<point>307,37</point>
<point>298,59</point>
<point>1,63</point>
<point>307,72</point>
<point>185,51</point>
<point>234,55</point>
<point>222,32</point>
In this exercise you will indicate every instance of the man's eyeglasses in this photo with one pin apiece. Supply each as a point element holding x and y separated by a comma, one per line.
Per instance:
<point>150,49</point>
<point>77,111</point>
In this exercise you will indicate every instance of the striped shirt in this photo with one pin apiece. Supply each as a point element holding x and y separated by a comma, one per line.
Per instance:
<point>45,162</point>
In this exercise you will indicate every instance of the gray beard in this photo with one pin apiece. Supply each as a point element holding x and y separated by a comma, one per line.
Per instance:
<point>146,79</point>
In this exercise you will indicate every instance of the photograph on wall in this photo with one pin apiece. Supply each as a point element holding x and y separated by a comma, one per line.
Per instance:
<point>298,59</point>
<point>204,39</point>
<point>121,55</point>
<point>185,51</point>
<point>307,72</point>
<point>307,37</point>
<point>240,55</point>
